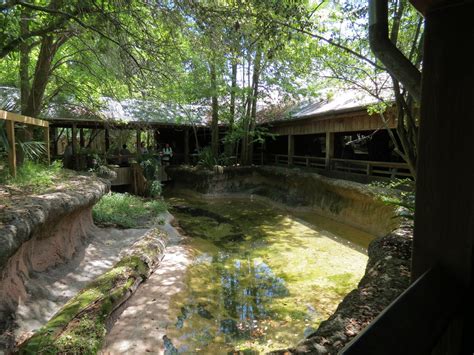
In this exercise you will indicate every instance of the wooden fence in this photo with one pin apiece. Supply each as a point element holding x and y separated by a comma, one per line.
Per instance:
<point>359,167</point>
<point>11,119</point>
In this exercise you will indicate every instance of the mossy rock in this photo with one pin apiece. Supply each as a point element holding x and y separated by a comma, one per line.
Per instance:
<point>79,327</point>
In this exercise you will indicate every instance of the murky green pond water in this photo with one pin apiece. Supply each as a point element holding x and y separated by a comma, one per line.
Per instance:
<point>261,278</point>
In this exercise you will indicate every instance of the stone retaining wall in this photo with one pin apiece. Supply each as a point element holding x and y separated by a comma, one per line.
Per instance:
<point>348,202</point>
<point>40,231</point>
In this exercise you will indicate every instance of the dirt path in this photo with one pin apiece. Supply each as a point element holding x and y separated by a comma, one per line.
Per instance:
<point>50,290</point>
<point>141,327</point>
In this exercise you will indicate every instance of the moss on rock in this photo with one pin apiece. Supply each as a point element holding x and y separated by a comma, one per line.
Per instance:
<point>79,327</point>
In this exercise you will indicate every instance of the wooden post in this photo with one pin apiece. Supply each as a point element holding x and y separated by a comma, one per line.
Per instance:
<point>53,133</point>
<point>138,141</point>
<point>74,145</point>
<point>444,217</point>
<point>186,145</point>
<point>10,126</point>
<point>48,144</point>
<point>81,137</point>
<point>329,149</point>
<point>107,140</point>
<point>291,148</point>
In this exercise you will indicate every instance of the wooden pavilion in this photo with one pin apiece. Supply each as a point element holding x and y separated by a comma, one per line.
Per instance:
<point>336,137</point>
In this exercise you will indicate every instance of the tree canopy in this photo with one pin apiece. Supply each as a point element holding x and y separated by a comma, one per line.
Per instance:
<point>234,56</point>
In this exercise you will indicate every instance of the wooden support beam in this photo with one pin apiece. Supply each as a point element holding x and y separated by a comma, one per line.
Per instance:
<point>444,217</point>
<point>291,148</point>
<point>81,137</point>
<point>186,145</point>
<point>10,127</point>
<point>48,145</point>
<point>329,149</point>
<point>138,140</point>
<point>107,140</point>
<point>53,133</point>
<point>10,116</point>
<point>74,144</point>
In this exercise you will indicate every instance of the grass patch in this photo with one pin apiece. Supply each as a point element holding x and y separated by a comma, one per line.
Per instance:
<point>35,177</point>
<point>126,210</point>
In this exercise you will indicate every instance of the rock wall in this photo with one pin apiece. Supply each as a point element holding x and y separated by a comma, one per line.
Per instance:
<point>348,202</point>
<point>388,270</point>
<point>40,231</point>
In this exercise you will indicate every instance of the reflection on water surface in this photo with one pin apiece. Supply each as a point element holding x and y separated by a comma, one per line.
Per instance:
<point>261,279</point>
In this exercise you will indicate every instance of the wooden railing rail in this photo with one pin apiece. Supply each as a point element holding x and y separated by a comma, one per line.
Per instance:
<point>361,167</point>
<point>416,322</point>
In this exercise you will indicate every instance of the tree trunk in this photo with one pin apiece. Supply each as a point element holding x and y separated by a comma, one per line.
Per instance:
<point>230,147</point>
<point>42,74</point>
<point>24,61</point>
<point>215,113</point>
<point>253,114</point>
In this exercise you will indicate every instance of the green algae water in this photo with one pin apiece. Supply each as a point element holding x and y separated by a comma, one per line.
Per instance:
<point>262,279</point>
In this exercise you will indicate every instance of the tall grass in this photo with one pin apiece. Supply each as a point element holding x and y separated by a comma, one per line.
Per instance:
<point>126,210</point>
<point>34,176</point>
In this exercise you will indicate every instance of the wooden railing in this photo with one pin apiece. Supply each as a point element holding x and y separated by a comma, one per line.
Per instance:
<point>416,322</point>
<point>365,167</point>
<point>360,167</point>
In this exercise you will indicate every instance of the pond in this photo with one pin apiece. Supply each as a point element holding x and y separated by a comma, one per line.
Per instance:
<point>262,278</point>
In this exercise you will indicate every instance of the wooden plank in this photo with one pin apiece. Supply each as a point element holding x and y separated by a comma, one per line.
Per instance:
<point>10,127</point>
<point>10,116</point>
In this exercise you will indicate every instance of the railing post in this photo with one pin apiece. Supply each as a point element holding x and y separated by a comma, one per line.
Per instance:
<point>10,126</point>
<point>329,149</point>
<point>48,144</point>
<point>74,145</point>
<point>369,169</point>
<point>291,148</point>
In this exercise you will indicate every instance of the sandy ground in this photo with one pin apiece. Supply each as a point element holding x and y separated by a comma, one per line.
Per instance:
<point>50,290</point>
<point>143,323</point>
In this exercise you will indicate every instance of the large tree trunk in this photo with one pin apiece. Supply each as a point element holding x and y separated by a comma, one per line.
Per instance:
<point>215,113</point>
<point>253,114</point>
<point>230,147</point>
<point>406,127</point>
<point>42,73</point>
<point>24,61</point>
<point>247,142</point>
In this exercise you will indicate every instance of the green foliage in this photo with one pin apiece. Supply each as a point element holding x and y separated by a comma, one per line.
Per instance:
<point>150,166</point>
<point>155,189</point>
<point>206,158</point>
<point>401,194</point>
<point>35,176</point>
<point>126,210</point>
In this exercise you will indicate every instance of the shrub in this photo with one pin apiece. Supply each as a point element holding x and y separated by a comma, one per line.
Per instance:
<point>125,210</point>
<point>155,189</point>
<point>35,176</point>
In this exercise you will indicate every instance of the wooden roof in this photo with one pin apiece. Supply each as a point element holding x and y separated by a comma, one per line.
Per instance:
<point>353,120</point>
